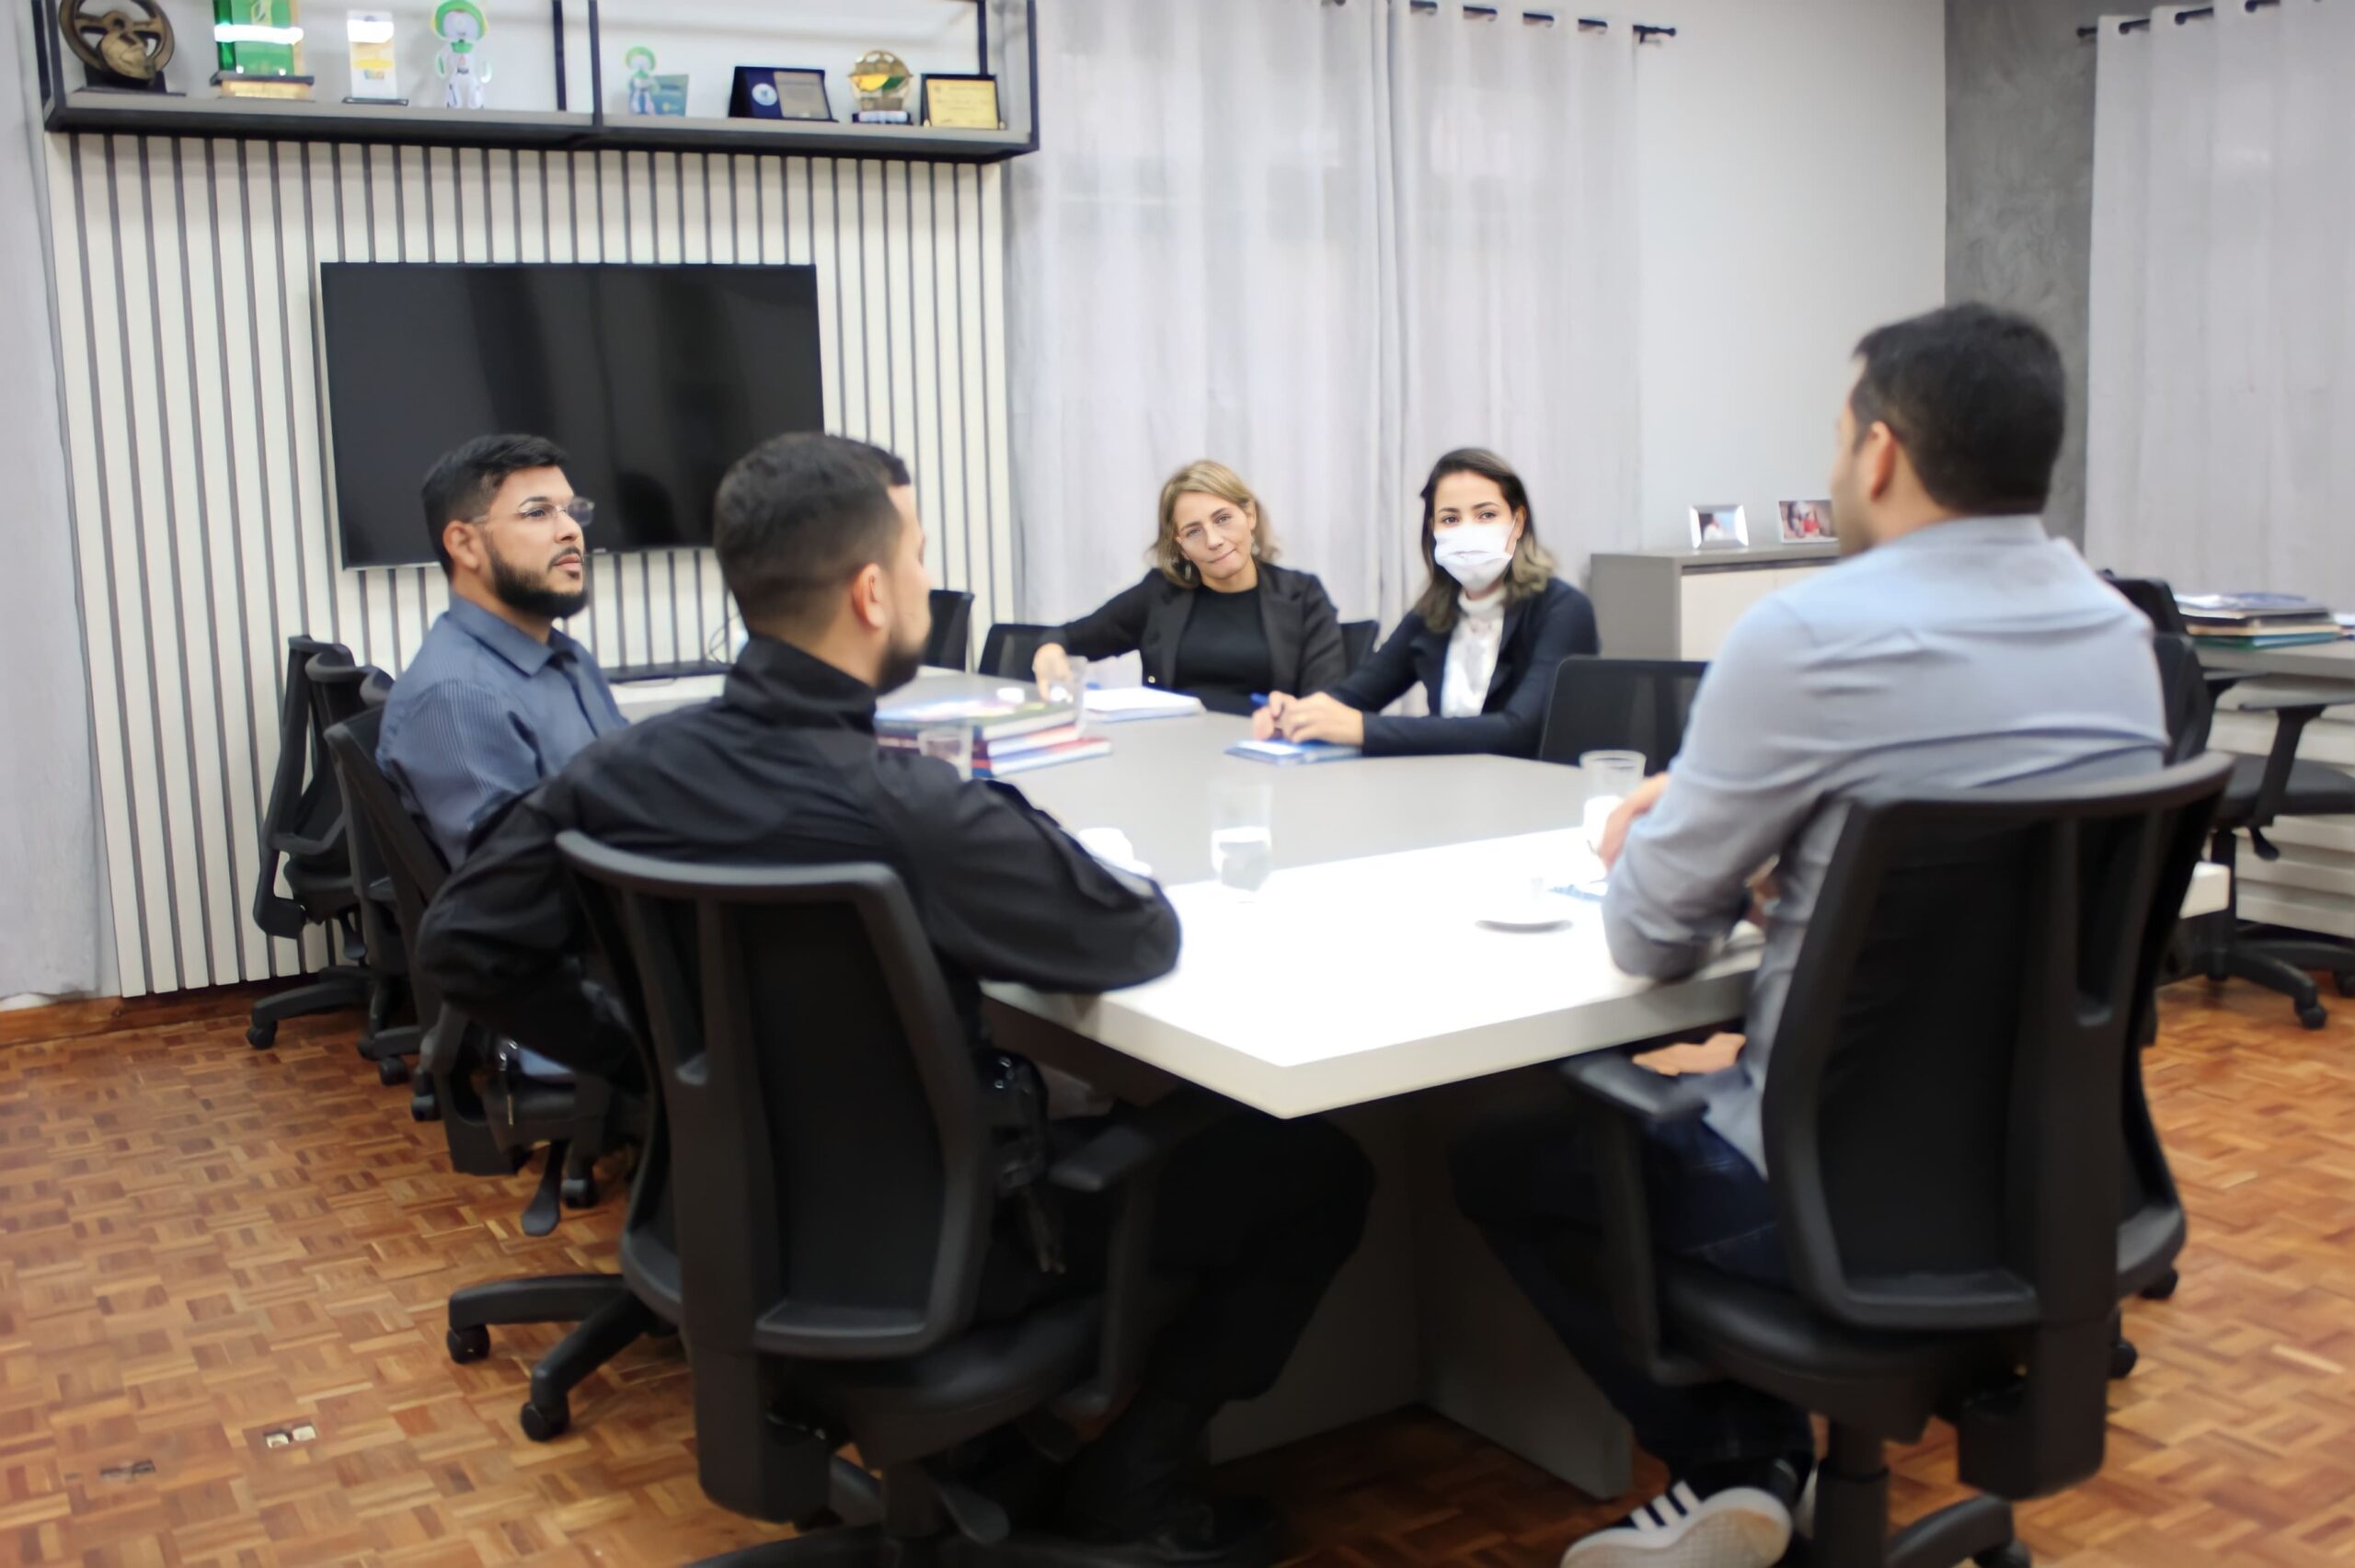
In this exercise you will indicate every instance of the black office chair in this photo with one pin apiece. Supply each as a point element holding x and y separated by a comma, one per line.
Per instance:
<point>1965,1194</point>
<point>950,645</point>
<point>342,691</point>
<point>302,835</point>
<point>1618,704</point>
<point>815,1207</point>
<point>493,1118</point>
<point>1358,638</point>
<point>2263,789</point>
<point>1008,649</point>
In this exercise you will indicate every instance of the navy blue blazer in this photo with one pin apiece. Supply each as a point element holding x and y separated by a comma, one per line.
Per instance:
<point>1540,631</point>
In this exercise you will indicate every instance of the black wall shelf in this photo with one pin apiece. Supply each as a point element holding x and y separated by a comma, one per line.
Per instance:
<point>68,107</point>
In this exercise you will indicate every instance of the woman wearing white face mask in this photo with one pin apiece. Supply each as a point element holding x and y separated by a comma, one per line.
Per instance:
<point>1484,640</point>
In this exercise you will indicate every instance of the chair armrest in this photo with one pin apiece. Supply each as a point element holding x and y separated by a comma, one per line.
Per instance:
<point>1125,1162</point>
<point>1614,1080</point>
<point>1135,1141</point>
<point>1616,1100</point>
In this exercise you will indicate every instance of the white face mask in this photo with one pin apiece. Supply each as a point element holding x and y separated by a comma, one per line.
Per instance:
<point>1474,554</point>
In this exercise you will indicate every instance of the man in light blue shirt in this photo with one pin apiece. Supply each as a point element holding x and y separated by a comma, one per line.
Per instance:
<point>1962,647</point>
<point>497,699</point>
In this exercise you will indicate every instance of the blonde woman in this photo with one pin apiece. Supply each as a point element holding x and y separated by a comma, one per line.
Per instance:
<point>1215,617</point>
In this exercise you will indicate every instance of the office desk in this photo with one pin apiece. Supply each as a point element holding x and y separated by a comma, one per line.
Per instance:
<point>2307,661</point>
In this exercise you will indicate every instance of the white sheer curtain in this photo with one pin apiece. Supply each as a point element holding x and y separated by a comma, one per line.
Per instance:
<point>1322,243</point>
<point>1194,270</point>
<point>1516,268</point>
<point>2222,441</point>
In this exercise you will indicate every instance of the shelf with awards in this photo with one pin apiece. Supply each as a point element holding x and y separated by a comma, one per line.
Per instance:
<point>553,73</point>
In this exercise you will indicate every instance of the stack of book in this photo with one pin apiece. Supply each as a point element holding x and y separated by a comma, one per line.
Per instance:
<point>1009,737</point>
<point>2256,620</point>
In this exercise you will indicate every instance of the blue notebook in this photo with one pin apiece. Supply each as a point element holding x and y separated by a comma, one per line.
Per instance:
<point>1286,753</point>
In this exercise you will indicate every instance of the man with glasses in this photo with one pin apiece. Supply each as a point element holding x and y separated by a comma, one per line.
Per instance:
<point>497,699</point>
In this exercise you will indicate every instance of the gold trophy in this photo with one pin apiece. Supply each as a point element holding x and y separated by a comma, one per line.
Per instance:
<point>881,79</point>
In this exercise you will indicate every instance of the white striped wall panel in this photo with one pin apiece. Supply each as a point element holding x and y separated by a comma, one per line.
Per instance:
<point>198,443</point>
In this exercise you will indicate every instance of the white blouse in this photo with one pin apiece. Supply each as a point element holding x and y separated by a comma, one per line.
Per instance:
<point>1472,650</point>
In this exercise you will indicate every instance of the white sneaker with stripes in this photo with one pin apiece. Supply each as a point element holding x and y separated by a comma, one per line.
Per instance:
<point>1740,1527</point>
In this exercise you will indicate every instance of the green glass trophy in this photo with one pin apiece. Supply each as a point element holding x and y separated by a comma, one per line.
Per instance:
<point>260,45</point>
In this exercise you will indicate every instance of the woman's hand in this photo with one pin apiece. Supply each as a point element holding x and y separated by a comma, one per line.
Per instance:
<point>1322,718</point>
<point>1050,667</point>
<point>1267,721</point>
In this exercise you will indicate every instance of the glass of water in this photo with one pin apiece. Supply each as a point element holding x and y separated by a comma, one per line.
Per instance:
<point>952,743</point>
<point>1243,837</point>
<point>1074,693</point>
<point>1611,778</point>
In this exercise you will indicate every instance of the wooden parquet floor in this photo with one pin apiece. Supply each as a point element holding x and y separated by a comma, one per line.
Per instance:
<point>201,1244</point>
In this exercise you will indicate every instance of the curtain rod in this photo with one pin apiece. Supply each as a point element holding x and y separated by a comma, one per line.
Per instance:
<point>1488,12</point>
<point>2143,24</point>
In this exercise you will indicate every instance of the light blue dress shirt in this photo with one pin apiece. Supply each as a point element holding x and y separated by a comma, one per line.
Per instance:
<point>1966,655</point>
<point>483,714</point>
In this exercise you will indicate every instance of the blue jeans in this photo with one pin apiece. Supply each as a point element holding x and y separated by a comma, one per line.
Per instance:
<point>1527,1180</point>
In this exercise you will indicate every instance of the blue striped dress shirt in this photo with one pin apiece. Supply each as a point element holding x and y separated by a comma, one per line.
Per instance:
<point>481,715</point>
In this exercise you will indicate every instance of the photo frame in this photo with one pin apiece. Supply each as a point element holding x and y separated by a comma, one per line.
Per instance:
<point>1725,527</point>
<point>1805,522</point>
<point>962,103</point>
<point>779,92</point>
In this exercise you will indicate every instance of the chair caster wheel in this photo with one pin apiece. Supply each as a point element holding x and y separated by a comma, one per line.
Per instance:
<point>392,1070</point>
<point>541,1425</point>
<point>2122,1358</point>
<point>578,1192</point>
<point>2312,1017</point>
<point>2163,1287</point>
<point>2345,980</point>
<point>468,1344</point>
<point>422,1108</point>
<point>2010,1555</point>
<point>261,1037</point>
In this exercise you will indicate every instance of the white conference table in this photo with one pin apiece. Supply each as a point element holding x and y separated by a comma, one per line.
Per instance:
<point>1359,981</point>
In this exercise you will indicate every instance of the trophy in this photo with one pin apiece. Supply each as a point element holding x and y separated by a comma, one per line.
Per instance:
<point>122,51</point>
<point>460,24</point>
<point>373,78</point>
<point>261,50</point>
<point>640,61</point>
<point>882,78</point>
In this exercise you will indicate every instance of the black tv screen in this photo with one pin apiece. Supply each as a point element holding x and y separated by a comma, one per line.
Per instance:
<point>654,379</point>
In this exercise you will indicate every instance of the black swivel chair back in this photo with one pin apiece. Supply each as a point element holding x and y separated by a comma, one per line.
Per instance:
<point>2183,686</point>
<point>816,1210</point>
<point>1008,649</point>
<point>1618,704</point>
<point>303,843</point>
<point>1358,638</point>
<point>950,645</point>
<point>342,691</point>
<point>1943,1119</point>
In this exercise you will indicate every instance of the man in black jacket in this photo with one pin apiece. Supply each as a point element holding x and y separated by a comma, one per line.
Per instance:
<point>824,556</point>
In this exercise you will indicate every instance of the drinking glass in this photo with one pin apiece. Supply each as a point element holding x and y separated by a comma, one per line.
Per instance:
<point>1243,837</point>
<point>1076,694</point>
<point>1611,778</point>
<point>952,743</point>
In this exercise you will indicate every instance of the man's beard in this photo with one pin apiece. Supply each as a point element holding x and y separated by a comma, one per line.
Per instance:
<point>517,592</point>
<point>900,666</point>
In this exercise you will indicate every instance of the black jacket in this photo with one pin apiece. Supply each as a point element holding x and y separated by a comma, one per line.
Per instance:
<point>1304,631</point>
<point>783,769</point>
<point>1539,633</point>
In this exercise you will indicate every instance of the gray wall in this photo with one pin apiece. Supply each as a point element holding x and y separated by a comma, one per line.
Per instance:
<point>2019,183</point>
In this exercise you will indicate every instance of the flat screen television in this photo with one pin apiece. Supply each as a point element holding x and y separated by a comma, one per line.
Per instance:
<point>654,379</point>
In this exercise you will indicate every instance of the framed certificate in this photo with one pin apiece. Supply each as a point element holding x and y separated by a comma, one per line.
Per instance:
<point>779,92</point>
<point>962,103</point>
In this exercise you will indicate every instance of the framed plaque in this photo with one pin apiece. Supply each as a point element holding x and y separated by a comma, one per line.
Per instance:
<point>962,103</point>
<point>779,92</point>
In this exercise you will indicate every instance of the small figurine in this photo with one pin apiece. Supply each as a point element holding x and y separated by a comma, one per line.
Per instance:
<point>640,61</point>
<point>460,24</point>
